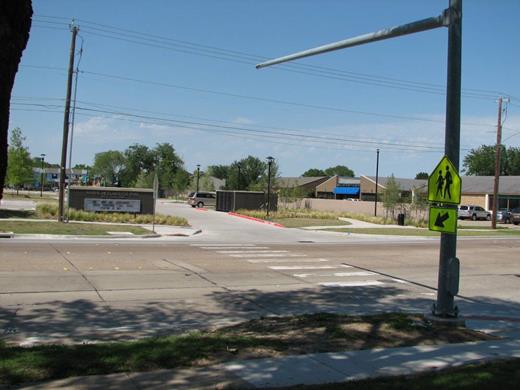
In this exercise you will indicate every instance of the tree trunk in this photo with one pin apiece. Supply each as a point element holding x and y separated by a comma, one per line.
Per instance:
<point>15,23</point>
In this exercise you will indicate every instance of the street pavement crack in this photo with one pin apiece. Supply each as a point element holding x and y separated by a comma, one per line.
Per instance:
<point>79,272</point>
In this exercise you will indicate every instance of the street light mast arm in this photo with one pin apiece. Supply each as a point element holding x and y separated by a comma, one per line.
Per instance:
<point>405,29</point>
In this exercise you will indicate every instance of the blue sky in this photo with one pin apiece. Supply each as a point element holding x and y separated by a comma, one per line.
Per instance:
<point>183,72</point>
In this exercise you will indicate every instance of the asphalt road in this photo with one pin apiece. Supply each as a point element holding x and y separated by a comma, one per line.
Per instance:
<point>79,291</point>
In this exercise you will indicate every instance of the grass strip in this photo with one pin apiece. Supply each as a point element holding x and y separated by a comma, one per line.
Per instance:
<point>307,222</point>
<point>43,227</point>
<point>502,374</point>
<point>422,232</point>
<point>259,338</point>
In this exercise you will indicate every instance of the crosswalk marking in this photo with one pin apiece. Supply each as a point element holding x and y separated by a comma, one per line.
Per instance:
<point>352,284</point>
<point>291,267</point>
<point>337,274</point>
<point>250,251</point>
<point>245,248</point>
<point>244,255</point>
<point>238,245</point>
<point>294,260</point>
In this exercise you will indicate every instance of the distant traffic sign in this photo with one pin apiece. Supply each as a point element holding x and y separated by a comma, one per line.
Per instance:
<point>444,183</point>
<point>443,219</point>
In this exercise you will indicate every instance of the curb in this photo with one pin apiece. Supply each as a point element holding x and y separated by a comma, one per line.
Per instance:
<point>232,213</point>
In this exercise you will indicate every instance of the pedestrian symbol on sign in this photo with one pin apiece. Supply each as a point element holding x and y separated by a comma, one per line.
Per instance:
<point>444,184</point>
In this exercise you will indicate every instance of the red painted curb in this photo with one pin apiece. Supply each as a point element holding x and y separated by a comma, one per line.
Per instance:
<point>232,213</point>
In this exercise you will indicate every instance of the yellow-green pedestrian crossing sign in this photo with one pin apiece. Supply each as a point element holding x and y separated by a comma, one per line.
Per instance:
<point>443,219</point>
<point>444,184</point>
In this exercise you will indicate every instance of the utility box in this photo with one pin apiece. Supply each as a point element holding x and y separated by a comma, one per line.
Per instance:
<point>112,199</point>
<point>246,200</point>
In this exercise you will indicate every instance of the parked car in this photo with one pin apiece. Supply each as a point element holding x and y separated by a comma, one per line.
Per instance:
<point>202,199</point>
<point>473,212</point>
<point>515,215</point>
<point>504,216</point>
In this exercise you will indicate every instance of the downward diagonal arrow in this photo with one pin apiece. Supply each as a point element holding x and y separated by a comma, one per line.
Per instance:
<point>439,221</point>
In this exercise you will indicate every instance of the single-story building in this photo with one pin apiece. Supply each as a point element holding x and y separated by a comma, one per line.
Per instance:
<point>338,187</point>
<point>478,190</point>
<point>305,185</point>
<point>409,187</point>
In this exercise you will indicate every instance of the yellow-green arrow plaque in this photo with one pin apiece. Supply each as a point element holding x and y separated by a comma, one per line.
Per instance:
<point>443,219</point>
<point>444,184</point>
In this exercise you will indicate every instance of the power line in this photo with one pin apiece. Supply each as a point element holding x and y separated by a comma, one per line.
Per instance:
<point>183,46</point>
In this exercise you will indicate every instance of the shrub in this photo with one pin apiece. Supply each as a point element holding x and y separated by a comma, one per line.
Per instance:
<point>49,211</point>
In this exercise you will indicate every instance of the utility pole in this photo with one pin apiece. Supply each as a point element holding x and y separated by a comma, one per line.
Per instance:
<point>377,179</point>
<point>66,117</point>
<point>498,148</point>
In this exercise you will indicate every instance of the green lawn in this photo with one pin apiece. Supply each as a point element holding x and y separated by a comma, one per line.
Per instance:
<point>424,232</point>
<point>258,338</point>
<point>306,222</point>
<point>499,375</point>
<point>37,227</point>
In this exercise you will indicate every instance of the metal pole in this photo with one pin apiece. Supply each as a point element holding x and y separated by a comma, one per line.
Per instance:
<point>238,178</point>
<point>269,162</point>
<point>448,248</point>
<point>497,165</point>
<point>392,32</point>
<point>198,176</point>
<point>66,117</point>
<point>377,179</point>
<point>42,158</point>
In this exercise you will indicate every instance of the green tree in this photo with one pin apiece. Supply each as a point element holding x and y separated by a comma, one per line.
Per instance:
<point>138,158</point>
<point>219,171</point>
<point>313,172</point>
<point>421,176</point>
<point>167,163</point>
<point>20,164</point>
<point>481,161</point>
<point>15,24</point>
<point>109,165</point>
<point>391,196</point>
<point>513,158</point>
<point>181,181</point>
<point>339,170</point>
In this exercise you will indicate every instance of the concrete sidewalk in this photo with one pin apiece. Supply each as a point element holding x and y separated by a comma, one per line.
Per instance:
<point>320,368</point>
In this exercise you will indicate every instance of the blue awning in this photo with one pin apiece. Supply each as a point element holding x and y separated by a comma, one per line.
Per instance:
<point>346,190</point>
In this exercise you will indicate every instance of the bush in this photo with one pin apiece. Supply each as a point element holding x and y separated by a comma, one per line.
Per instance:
<point>50,211</point>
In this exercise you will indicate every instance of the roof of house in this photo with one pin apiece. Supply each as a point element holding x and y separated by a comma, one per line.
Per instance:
<point>508,185</point>
<point>404,184</point>
<point>288,182</point>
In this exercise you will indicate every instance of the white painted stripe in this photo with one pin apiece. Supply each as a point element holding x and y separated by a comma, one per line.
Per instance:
<point>233,247</point>
<point>290,267</point>
<point>252,251</point>
<point>351,284</point>
<point>337,274</point>
<point>399,281</point>
<point>267,255</point>
<point>255,261</point>
<point>208,244</point>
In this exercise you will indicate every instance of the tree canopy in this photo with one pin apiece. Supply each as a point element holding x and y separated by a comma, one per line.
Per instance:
<point>422,176</point>
<point>20,163</point>
<point>481,161</point>
<point>340,170</point>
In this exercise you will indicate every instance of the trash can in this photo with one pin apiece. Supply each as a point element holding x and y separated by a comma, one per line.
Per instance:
<point>400,219</point>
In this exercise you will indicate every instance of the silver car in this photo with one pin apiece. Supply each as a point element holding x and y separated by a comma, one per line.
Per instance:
<point>473,212</point>
<point>202,199</point>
